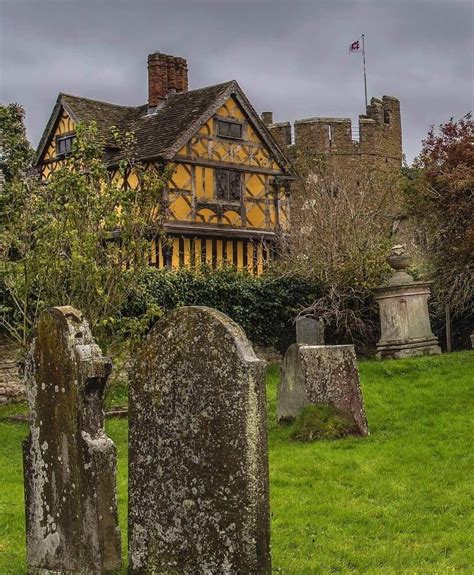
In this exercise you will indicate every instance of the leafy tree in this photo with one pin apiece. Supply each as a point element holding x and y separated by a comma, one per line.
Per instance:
<point>440,196</point>
<point>81,239</point>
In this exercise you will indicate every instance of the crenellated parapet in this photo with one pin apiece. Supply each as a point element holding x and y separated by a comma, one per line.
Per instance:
<point>378,134</point>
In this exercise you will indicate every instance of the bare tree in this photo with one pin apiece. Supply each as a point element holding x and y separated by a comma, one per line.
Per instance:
<point>342,222</point>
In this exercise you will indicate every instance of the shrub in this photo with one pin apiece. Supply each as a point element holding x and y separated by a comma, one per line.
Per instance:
<point>265,306</point>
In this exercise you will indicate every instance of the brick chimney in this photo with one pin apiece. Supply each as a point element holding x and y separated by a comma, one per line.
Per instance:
<point>166,75</point>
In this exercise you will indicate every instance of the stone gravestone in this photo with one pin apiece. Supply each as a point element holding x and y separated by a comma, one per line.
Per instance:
<point>321,374</point>
<point>69,462</point>
<point>198,471</point>
<point>309,331</point>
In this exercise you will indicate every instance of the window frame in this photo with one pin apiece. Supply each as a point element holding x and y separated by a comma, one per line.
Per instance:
<point>230,121</point>
<point>227,199</point>
<point>64,137</point>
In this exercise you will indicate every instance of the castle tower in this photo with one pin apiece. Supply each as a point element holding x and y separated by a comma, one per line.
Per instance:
<point>378,137</point>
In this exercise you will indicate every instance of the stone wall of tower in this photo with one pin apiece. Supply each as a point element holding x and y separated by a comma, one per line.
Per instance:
<point>378,137</point>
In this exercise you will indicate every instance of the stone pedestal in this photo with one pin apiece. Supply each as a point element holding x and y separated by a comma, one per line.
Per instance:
<point>404,317</point>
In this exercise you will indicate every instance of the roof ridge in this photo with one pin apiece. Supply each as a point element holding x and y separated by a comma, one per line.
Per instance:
<point>100,101</point>
<point>220,85</point>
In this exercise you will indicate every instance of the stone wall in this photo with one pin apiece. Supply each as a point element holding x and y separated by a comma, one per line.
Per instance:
<point>378,136</point>
<point>11,386</point>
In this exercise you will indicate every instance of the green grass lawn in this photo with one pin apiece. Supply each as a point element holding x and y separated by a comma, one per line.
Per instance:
<point>397,502</point>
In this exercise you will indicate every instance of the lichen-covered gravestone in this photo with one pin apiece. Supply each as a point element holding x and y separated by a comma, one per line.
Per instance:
<point>198,471</point>
<point>69,462</point>
<point>321,374</point>
<point>309,331</point>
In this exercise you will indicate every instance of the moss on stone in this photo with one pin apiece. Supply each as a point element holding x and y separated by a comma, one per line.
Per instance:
<point>322,421</point>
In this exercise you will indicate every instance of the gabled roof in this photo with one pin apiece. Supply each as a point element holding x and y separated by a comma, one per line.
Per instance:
<point>163,133</point>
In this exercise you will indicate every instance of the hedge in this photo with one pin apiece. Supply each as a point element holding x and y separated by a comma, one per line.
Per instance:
<point>265,306</point>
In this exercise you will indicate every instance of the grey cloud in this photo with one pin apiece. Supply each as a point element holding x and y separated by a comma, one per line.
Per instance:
<point>290,57</point>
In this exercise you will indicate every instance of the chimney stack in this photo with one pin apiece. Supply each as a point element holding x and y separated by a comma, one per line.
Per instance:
<point>267,118</point>
<point>166,75</point>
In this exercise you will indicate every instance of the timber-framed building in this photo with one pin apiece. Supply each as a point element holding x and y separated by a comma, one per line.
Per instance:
<point>228,197</point>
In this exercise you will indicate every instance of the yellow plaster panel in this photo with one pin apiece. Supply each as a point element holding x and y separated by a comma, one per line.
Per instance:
<point>199,174</point>
<point>259,248</point>
<point>231,109</point>
<point>256,217</point>
<point>232,219</point>
<point>272,214</point>
<point>204,182</point>
<point>175,256</point>
<point>250,248</point>
<point>197,250</point>
<point>230,251</point>
<point>132,180</point>
<point>255,185</point>
<point>208,182</point>
<point>240,255</point>
<point>181,209</point>
<point>206,216</point>
<point>220,252</point>
<point>206,129</point>
<point>198,148</point>
<point>209,252</point>
<point>181,177</point>
<point>187,251</point>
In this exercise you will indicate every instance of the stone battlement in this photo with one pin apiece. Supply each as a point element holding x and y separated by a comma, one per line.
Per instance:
<point>378,133</point>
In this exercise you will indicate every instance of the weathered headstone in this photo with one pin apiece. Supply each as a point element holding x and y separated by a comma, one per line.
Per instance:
<point>69,462</point>
<point>309,331</point>
<point>321,374</point>
<point>198,471</point>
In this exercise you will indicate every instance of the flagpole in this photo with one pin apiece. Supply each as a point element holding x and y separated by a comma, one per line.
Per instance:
<point>365,73</point>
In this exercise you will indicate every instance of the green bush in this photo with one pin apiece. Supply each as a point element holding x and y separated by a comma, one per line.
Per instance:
<point>265,306</point>
<point>321,421</point>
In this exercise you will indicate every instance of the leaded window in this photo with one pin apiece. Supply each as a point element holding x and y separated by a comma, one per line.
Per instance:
<point>64,145</point>
<point>228,129</point>
<point>228,184</point>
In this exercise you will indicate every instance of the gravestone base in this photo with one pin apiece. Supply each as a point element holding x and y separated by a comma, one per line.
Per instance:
<point>403,349</point>
<point>321,374</point>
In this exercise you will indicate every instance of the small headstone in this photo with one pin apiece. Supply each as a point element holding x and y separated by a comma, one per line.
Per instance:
<point>321,374</point>
<point>198,471</point>
<point>69,462</point>
<point>309,331</point>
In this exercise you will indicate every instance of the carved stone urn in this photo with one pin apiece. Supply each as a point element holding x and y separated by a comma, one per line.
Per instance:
<point>404,317</point>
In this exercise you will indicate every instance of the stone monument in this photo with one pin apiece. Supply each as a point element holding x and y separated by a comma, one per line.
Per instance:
<point>321,374</point>
<point>309,331</point>
<point>404,317</point>
<point>69,462</point>
<point>198,470</point>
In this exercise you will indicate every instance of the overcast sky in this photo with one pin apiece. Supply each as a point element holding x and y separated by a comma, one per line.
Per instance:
<point>290,57</point>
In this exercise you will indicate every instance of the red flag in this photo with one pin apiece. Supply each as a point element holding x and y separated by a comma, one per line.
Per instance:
<point>355,46</point>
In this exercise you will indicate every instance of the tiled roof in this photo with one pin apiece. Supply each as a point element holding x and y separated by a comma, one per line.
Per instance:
<point>159,134</point>
<point>104,114</point>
